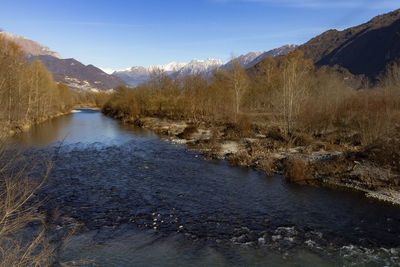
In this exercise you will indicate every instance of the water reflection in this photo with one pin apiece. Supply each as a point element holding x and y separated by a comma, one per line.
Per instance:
<point>116,179</point>
<point>84,126</point>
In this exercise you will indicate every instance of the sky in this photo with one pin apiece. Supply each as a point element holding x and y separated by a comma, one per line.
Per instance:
<point>119,34</point>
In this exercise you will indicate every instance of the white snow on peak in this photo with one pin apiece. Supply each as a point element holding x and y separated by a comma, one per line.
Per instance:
<point>170,67</point>
<point>108,70</point>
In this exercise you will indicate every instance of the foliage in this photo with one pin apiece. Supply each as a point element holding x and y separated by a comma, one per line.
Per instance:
<point>28,92</point>
<point>286,92</point>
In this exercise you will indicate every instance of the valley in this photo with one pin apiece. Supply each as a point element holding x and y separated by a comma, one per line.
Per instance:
<point>286,156</point>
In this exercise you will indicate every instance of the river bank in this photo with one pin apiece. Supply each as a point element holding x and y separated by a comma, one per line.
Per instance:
<point>26,125</point>
<point>302,159</point>
<point>110,180</point>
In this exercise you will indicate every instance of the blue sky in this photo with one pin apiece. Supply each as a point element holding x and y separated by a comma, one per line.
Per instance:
<point>118,34</point>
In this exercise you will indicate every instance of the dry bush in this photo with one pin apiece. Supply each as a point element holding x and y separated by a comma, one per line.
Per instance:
<point>188,132</point>
<point>242,158</point>
<point>296,169</point>
<point>370,113</point>
<point>244,126</point>
<point>23,240</point>
<point>267,165</point>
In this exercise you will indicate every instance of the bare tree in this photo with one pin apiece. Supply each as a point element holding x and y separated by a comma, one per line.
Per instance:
<point>295,76</point>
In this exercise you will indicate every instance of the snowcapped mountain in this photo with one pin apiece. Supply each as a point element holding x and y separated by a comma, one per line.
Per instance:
<point>253,58</point>
<point>31,48</point>
<point>168,68</point>
<point>107,70</point>
<point>136,75</point>
<point>202,67</point>
<point>283,50</point>
<point>244,60</point>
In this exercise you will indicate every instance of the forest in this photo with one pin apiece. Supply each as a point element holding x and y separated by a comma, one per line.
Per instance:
<point>288,93</point>
<point>28,92</point>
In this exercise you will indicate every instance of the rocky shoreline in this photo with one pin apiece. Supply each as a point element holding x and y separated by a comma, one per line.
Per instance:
<point>301,161</point>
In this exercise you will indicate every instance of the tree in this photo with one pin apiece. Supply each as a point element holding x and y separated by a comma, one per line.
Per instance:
<point>295,76</point>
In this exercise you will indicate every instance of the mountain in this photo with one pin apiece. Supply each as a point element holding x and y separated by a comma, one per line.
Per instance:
<point>244,60</point>
<point>31,48</point>
<point>202,67</point>
<point>69,71</point>
<point>79,76</point>
<point>133,76</point>
<point>253,58</point>
<point>168,68</point>
<point>283,50</point>
<point>136,75</point>
<point>364,49</point>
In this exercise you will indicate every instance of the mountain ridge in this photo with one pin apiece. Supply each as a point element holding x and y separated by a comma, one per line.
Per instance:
<point>30,47</point>
<point>365,49</point>
<point>70,71</point>
<point>138,74</point>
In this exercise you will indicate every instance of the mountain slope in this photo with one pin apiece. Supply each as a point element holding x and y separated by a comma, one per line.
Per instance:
<point>283,50</point>
<point>244,60</point>
<point>137,74</point>
<point>364,49</point>
<point>31,48</point>
<point>253,58</point>
<point>78,76</point>
<point>201,67</point>
<point>69,71</point>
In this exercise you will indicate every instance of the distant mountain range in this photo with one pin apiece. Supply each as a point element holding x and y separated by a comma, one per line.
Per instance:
<point>253,58</point>
<point>69,71</point>
<point>137,74</point>
<point>364,49</point>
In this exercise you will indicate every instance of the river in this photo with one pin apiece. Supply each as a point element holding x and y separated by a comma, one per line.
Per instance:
<point>143,201</point>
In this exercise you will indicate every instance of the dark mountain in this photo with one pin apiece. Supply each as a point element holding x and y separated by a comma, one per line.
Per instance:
<point>364,49</point>
<point>79,76</point>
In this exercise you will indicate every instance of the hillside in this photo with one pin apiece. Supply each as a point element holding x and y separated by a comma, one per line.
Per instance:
<point>69,71</point>
<point>364,49</point>
<point>79,76</point>
<point>30,47</point>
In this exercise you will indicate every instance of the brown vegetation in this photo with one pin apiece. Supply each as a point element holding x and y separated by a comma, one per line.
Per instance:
<point>23,240</point>
<point>285,116</point>
<point>28,92</point>
<point>288,93</point>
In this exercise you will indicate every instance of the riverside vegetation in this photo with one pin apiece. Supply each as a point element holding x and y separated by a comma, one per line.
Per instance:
<point>28,95</point>
<point>28,92</point>
<point>284,115</point>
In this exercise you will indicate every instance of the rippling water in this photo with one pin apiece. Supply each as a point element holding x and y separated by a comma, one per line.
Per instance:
<point>146,202</point>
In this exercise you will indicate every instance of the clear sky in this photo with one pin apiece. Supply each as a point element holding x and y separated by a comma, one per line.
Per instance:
<point>118,34</point>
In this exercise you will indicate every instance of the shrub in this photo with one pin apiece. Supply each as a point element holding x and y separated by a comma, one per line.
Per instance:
<point>296,170</point>
<point>188,132</point>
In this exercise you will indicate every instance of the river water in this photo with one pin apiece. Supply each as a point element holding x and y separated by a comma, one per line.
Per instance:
<point>143,201</point>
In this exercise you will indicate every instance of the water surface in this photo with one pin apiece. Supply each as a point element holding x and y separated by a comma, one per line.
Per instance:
<point>143,201</point>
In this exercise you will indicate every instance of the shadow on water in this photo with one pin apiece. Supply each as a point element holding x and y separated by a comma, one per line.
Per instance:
<point>146,202</point>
